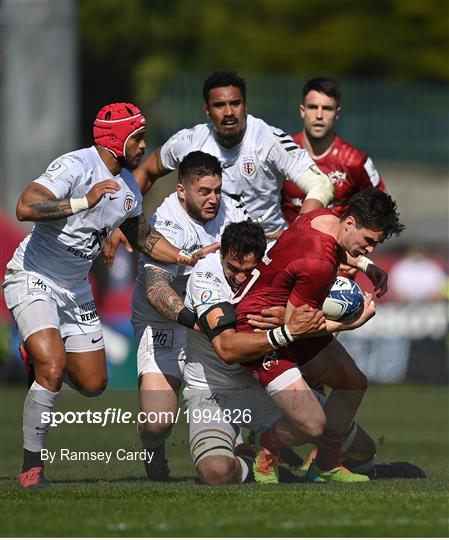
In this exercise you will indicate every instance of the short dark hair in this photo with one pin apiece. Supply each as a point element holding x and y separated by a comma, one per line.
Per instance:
<point>221,79</point>
<point>242,239</point>
<point>196,165</point>
<point>324,85</point>
<point>375,210</point>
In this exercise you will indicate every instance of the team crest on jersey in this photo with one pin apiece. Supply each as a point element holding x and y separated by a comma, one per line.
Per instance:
<point>337,177</point>
<point>129,203</point>
<point>248,166</point>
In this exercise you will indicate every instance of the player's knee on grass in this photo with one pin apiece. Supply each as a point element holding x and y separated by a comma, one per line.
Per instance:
<point>217,470</point>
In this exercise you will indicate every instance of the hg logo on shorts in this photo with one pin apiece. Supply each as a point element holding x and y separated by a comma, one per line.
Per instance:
<point>161,339</point>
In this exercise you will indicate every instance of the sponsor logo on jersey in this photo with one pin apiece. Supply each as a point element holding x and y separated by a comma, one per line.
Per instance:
<point>248,166</point>
<point>129,203</point>
<point>79,253</point>
<point>337,177</point>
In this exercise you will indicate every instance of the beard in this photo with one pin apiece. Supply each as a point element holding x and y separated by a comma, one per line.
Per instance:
<point>126,164</point>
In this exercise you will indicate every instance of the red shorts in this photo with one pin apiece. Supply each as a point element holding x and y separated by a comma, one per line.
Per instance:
<point>268,368</point>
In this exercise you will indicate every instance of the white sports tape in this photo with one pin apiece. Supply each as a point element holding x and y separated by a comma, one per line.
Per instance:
<point>279,337</point>
<point>78,205</point>
<point>363,263</point>
<point>316,184</point>
<point>184,258</point>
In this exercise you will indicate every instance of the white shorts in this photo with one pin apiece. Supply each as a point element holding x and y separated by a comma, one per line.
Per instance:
<point>36,302</point>
<point>215,418</point>
<point>161,349</point>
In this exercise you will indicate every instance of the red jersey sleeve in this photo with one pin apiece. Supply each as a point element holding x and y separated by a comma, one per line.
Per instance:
<point>314,278</point>
<point>366,174</point>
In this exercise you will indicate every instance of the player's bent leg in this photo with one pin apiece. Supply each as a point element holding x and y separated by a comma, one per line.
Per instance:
<point>212,435</point>
<point>335,367</point>
<point>47,350</point>
<point>158,398</point>
<point>86,365</point>
<point>300,406</point>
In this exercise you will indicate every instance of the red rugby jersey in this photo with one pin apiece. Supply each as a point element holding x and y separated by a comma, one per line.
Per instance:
<point>349,169</point>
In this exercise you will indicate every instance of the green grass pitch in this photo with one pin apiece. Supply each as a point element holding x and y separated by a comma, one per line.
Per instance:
<point>95,499</point>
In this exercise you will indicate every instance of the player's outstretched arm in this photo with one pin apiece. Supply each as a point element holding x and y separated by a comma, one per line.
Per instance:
<point>231,346</point>
<point>37,203</point>
<point>150,170</point>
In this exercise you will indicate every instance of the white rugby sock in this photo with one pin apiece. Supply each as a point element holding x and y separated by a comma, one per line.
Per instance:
<point>245,469</point>
<point>37,401</point>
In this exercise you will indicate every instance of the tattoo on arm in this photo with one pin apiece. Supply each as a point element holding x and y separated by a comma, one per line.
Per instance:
<point>49,209</point>
<point>139,235</point>
<point>160,294</point>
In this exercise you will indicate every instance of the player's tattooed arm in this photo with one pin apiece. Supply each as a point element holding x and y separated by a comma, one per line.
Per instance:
<point>160,294</point>
<point>149,241</point>
<point>37,203</point>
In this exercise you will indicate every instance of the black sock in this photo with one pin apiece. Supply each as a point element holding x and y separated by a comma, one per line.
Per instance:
<point>31,459</point>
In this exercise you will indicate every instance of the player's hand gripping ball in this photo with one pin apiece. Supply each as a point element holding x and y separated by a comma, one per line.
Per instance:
<point>344,303</point>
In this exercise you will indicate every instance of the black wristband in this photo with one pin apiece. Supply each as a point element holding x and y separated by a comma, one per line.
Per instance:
<point>186,318</point>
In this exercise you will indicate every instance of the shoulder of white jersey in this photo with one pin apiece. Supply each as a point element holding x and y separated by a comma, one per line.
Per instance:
<point>209,271</point>
<point>266,136</point>
<point>163,216</point>
<point>234,209</point>
<point>77,162</point>
<point>185,141</point>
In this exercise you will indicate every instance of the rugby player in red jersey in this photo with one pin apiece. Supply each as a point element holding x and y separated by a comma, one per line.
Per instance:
<point>349,169</point>
<point>299,270</point>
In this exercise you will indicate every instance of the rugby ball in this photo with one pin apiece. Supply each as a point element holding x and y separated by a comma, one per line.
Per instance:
<point>344,303</point>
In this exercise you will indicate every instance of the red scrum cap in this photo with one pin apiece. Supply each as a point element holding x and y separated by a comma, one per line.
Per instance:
<point>115,124</point>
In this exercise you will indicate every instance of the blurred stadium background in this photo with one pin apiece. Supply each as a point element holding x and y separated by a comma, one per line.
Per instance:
<point>62,60</point>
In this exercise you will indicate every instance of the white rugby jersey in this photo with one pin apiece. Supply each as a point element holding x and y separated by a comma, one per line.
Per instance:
<point>254,170</point>
<point>186,233</point>
<point>207,286</point>
<point>64,249</point>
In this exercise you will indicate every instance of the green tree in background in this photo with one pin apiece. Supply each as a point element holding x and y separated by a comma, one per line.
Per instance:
<point>130,47</point>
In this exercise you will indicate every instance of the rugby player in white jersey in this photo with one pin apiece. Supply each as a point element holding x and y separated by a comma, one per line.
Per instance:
<point>221,397</point>
<point>191,218</point>
<point>75,204</point>
<point>255,157</point>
